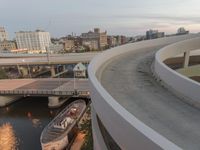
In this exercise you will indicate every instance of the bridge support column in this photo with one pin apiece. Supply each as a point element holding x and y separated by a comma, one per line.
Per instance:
<point>64,68</point>
<point>5,100</point>
<point>53,73</point>
<point>186,59</point>
<point>18,69</point>
<point>55,101</point>
<point>24,71</point>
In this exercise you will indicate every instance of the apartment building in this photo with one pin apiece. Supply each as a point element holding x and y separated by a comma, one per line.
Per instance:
<point>3,34</point>
<point>33,40</point>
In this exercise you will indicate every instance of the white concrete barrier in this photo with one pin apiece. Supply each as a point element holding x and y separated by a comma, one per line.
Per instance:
<point>177,83</point>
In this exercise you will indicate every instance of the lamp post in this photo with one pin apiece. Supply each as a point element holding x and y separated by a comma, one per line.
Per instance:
<point>58,76</point>
<point>29,71</point>
<point>75,90</point>
<point>47,51</point>
<point>74,82</point>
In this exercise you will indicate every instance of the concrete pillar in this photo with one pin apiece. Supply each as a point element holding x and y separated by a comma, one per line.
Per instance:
<point>18,69</point>
<point>64,68</point>
<point>53,102</point>
<point>53,73</point>
<point>24,71</point>
<point>6,100</point>
<point>186,59</point>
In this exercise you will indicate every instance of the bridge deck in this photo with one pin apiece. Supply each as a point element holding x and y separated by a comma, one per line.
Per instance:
<point>43,60</point>
<point>51,86</point>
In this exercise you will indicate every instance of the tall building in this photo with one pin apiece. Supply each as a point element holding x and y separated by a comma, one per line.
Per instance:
<point>153,34</point>
<point>37,40</point>
<point>95,39</point>
<point>3,34</point>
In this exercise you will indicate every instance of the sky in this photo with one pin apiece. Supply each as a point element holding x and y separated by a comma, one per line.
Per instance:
<point>118,17</point>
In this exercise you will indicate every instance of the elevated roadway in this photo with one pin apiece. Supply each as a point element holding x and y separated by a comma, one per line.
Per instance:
<point>129,80</point>
<point>134,107</point>
<point>41,59</point>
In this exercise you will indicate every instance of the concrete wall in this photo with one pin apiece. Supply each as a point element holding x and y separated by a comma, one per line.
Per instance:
<point>179,84</point>
<point>126,129</point>
<point>98,140</point>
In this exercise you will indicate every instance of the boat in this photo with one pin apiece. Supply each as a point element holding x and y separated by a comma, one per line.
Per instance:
<point>56,134</point>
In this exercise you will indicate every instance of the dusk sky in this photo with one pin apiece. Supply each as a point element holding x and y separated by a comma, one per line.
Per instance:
<point>127,17</point>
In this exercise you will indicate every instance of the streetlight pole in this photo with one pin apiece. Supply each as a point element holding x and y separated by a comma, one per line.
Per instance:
<point>74,82</point>
<point>47,51</point>
<point>58,77</point>
<point>75,90</point>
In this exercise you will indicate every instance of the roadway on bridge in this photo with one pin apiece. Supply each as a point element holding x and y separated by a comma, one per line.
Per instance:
<point>69,58</point>
<point>50,86</point>
<point>129,80</point>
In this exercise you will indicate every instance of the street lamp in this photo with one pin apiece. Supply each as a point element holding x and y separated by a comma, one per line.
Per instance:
<point>59,80</point>
<point>29,71</point>
<point>47,51</point>
<point>74,82</point>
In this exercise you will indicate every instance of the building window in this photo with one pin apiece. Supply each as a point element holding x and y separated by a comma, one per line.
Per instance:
<point>108,140</point>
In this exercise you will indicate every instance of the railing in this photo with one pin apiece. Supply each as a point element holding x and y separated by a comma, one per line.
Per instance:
<point>44,92</point>
<point>177,83</point>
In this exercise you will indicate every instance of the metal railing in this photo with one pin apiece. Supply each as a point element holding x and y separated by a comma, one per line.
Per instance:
<point>44,93</point>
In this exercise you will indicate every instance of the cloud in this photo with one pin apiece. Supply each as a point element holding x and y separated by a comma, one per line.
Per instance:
<point>189,19</point>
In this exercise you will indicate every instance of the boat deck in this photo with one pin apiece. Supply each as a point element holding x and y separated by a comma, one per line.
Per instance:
<point>51,133</point>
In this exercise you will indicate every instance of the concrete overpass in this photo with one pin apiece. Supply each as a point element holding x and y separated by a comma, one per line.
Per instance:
<point>42,59</point>
<point>54,88</point>
<point>140,103</point>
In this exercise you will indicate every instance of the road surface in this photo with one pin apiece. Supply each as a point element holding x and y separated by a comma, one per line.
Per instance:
<point>129,80</point>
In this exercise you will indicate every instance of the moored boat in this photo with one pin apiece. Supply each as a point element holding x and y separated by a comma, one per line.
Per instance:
<point>55,135</point>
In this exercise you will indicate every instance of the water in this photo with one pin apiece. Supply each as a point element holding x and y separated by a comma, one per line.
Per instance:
<point>28,117</point>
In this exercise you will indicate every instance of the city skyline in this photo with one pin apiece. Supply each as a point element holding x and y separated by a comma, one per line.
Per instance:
<point>117,17</point>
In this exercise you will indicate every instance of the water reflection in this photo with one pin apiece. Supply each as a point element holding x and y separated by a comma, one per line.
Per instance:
<point>35,121</point>
<point>28,117</point>
<point>8,140</point>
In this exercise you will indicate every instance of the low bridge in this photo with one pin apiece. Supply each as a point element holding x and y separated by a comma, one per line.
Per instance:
<point>54,88</point>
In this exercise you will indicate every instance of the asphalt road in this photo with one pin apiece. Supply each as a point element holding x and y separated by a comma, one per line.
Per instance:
<point>129,80</point>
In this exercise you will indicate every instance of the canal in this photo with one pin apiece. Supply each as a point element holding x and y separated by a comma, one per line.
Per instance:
<point>28,117</point>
